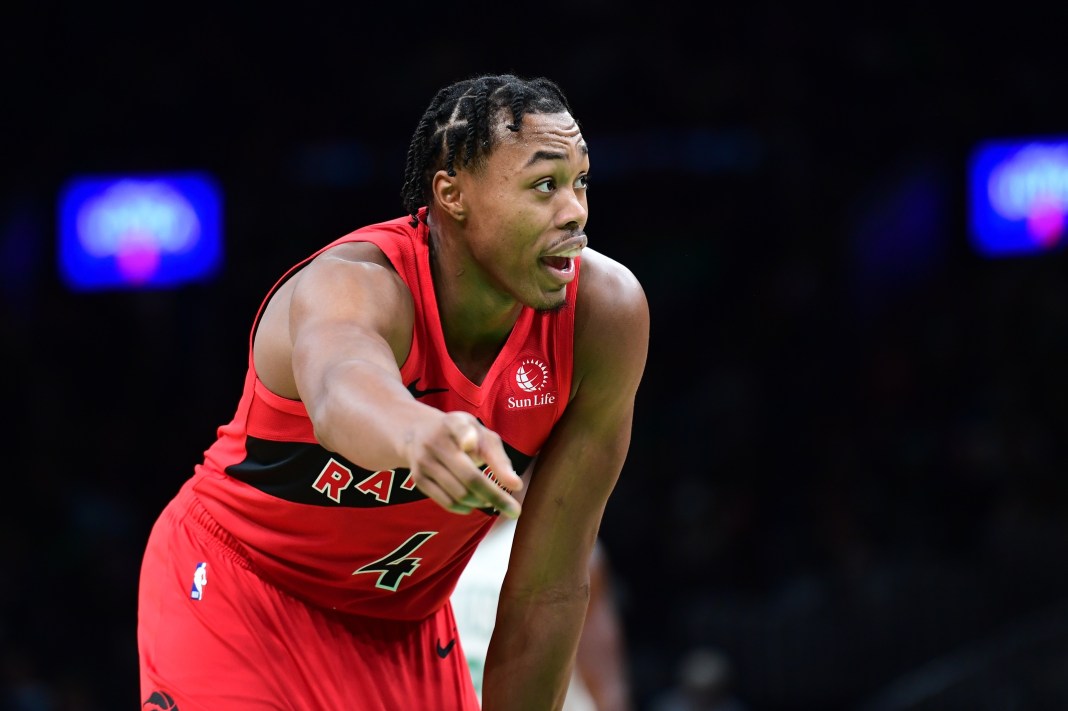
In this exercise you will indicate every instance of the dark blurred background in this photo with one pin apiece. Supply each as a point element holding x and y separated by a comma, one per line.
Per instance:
<point>847,480</point>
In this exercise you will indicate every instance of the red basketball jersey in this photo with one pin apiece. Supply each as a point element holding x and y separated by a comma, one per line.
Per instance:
<point>364,542</point>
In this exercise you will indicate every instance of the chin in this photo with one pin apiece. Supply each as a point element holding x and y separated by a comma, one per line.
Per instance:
<point>553,302</point>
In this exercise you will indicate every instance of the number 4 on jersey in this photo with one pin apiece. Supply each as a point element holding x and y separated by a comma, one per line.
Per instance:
<point>397,564</point>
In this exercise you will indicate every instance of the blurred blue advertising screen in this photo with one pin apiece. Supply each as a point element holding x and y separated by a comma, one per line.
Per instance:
<point>139,231</point>
<point>1018,196</point>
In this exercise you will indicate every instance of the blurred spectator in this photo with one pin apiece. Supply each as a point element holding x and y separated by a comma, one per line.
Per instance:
<point>705,683</point>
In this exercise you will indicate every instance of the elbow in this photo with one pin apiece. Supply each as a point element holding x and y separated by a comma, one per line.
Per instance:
<point>559,594</point>
<point>331,433</point>
<point>322,429</point>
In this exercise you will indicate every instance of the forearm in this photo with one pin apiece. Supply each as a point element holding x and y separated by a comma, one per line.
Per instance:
<point>532,652</point>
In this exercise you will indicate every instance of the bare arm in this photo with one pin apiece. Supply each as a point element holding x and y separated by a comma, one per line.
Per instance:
<point>545,593</point>
<point>333,337</point>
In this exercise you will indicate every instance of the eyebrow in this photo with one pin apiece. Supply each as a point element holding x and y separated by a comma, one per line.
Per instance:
<point>554,155</point>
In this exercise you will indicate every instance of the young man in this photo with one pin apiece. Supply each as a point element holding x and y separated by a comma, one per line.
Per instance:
<point>402,381</point>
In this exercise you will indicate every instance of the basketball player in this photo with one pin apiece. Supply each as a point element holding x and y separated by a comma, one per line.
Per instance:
<point>403,381</point>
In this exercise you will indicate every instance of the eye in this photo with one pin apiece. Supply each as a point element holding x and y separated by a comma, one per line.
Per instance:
<point>583,182</point>
<point>545,186</point>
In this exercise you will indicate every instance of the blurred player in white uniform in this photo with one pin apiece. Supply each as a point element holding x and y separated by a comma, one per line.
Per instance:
<point>599,681</point>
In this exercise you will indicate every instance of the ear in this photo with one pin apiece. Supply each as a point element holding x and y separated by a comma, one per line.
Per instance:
<point>449,195</point>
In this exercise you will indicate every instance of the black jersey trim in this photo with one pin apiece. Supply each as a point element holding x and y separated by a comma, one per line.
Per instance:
<point>290,471</point>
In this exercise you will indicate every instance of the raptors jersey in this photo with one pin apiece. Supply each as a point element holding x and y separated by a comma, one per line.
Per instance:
<point>365,542</point>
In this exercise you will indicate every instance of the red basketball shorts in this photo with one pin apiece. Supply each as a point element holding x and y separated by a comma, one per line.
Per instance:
<point>212,636</point>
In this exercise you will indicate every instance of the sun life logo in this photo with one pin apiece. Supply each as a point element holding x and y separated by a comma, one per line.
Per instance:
<point>532,375</point>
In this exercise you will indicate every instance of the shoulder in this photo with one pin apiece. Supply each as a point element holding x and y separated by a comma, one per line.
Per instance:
<point>337,275</point>
<point>346,288</point>
<point>609,288</point>
<point>611,317</point>
<point>381,243</point>
<point>611,300</point>
<point>344,265</point>
<point>353,251</point>
<point>352,278</point>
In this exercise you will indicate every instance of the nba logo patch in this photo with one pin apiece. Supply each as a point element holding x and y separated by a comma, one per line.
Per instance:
<point>200,579</point>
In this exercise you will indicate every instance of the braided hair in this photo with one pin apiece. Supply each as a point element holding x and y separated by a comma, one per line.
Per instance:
<point>456,129</point>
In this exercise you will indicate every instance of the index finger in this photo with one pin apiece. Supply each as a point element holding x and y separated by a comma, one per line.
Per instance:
<point>499,476</point>
<point>498,497</point>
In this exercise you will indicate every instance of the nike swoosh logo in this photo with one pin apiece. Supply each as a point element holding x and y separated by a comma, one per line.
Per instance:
<point>417,393</point>
<point>444,651</point>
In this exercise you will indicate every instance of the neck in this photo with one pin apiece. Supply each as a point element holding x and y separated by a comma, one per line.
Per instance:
<point>475,318</point>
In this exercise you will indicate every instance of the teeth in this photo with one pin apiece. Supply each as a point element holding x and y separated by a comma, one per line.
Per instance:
<point>569,253</point>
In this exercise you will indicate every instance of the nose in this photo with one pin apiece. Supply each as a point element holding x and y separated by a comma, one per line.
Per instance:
<point>573,211</point>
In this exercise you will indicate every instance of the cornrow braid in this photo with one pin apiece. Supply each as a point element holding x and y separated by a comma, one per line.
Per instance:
<point>456,130</point>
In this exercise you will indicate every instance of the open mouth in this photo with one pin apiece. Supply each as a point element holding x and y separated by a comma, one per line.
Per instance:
<point>562,257</point>
<point>562,264</point>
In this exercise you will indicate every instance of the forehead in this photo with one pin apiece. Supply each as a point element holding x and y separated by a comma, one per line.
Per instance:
<point>542,137</point>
